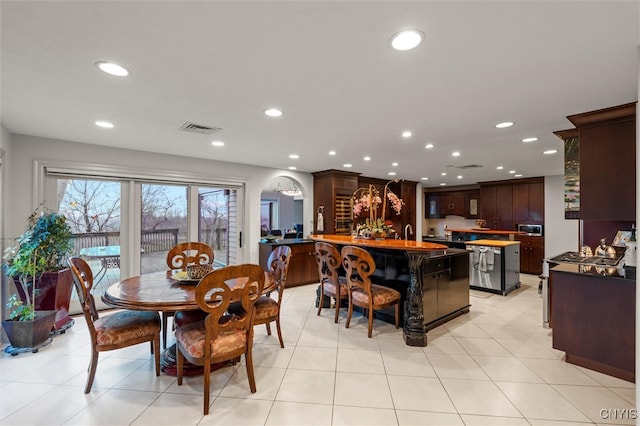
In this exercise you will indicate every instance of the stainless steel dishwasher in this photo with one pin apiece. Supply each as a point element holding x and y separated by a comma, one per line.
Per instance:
<point>485,267</point>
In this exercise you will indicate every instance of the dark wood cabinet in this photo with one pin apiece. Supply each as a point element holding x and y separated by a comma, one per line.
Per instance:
<point>303,268</point>
<point>496,205</point>
<point>332,192</point>
<point>452,203</point>
<point>607,146</point>
<point>594,321</point>
<point>531,254</point>
<point>442,204</point>
<point>471,204</point>
<point>528,202</point>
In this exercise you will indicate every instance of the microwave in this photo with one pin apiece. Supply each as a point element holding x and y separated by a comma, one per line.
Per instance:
<point>535,230</point>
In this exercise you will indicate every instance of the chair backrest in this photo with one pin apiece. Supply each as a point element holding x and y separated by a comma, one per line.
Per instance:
<point>189,253</point>
<point>240,284</point>
<point>278,265</point>
<point>359,265</point>
<point>83,282</point>
<point>329,261</point>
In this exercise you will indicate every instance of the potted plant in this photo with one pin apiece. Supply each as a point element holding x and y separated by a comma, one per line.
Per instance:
<point>26,327</point>
<point>37,266</point>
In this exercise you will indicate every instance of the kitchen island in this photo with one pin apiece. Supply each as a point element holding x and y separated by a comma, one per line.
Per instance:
<point>594,318</point>
<point>433,280</point>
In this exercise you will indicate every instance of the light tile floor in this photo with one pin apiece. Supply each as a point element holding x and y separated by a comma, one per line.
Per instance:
<point>493,366</point>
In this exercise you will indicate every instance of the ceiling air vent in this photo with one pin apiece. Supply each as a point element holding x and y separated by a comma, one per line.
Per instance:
<point>470,166</point>
<point>199,128</point>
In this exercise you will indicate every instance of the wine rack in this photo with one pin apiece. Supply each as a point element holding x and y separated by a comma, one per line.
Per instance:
<point>343,217</point>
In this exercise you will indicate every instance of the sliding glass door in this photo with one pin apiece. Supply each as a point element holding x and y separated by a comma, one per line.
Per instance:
<point>126,227</point>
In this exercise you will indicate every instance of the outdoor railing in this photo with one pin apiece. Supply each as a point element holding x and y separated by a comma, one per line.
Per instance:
<point>151,241</point>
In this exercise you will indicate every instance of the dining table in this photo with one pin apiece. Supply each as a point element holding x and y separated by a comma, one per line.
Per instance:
<point>165,291</point>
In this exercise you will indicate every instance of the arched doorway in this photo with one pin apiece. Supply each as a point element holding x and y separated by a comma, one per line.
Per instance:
<point>281,208</point>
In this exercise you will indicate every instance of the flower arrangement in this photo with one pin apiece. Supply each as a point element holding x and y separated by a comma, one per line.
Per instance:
<point>369,200</point>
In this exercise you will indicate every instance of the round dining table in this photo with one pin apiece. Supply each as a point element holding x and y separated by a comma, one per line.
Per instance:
<point>163,291</point>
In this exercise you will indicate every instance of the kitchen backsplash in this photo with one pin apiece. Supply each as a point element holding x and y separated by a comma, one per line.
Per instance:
<point>452,222</point>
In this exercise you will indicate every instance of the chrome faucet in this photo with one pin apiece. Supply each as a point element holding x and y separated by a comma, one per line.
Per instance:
<point>407,227</point>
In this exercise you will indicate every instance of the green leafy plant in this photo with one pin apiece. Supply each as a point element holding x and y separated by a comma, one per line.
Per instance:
<point>43,247</point>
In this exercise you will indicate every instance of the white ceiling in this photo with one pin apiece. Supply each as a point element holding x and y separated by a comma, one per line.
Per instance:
<point>329,66</point>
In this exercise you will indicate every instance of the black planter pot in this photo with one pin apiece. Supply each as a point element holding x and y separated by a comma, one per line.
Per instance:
<point>28,334</point>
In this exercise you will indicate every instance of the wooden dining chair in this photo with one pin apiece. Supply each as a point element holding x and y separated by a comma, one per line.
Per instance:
<point>179,257</point>
<point>267,309</point>
<point>359,265</point>
<point>331,284</point>
<point>222,336</point>
<point>118,330</point>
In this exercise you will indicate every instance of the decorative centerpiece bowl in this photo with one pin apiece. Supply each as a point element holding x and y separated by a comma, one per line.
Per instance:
<point>197,272</point>
<point>480,223</point>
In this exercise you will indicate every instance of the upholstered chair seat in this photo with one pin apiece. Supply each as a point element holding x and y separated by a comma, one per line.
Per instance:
<point>360,266</point>
<point>329,262</point>
<point>114,331</point>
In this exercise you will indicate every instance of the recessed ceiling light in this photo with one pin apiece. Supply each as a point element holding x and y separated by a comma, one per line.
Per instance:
<point>512,171</point>
<point>394,164</point>
<point>391,173</point>
<point>217,143</point>
<point>518,175</point>
<point>500,167</point>
<point>347,165</point>
<point>459,176</point>
<point>332,153</point>
<point>442,184</point>
<point>443,174</point>
<point>113,69</point>
<point>407,134</point>
<point>525,140</point>
<point>273,112</point>
<point>367,158</point>
<point>104,124</point>
<point>550,151</point>
<point>424,178</point>
<point>456,153</point>
<point>292,168</point>
<point>294,156</point>
<point>406,40</point>
<point>429,146</point>
<point>504,124</point>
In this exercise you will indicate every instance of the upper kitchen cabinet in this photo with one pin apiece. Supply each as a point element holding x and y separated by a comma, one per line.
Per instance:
<point>471,204</point>
<point>496,206</point>
<point>332,192</point>
<point>452,203</point>
<point>528,201</point>
<point>460,203</point>
<point>607,139</point>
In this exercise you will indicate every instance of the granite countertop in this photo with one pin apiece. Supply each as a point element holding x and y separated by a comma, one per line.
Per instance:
<point>596,271</point>
<point>488,231</point>
<point>387,243</point>
<point>286,241</point>
<point>491,243</point>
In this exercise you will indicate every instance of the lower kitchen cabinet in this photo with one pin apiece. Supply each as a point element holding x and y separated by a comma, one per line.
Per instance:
<point>303,268</point>
<point>445,287</point>
<point>531,254</point>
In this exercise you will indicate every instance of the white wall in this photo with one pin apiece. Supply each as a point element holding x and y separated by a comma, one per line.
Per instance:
<point>24,150</point>
<point>560,234</point>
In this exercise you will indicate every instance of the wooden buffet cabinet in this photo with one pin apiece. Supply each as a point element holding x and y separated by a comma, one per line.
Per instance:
<point>303,268</point>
